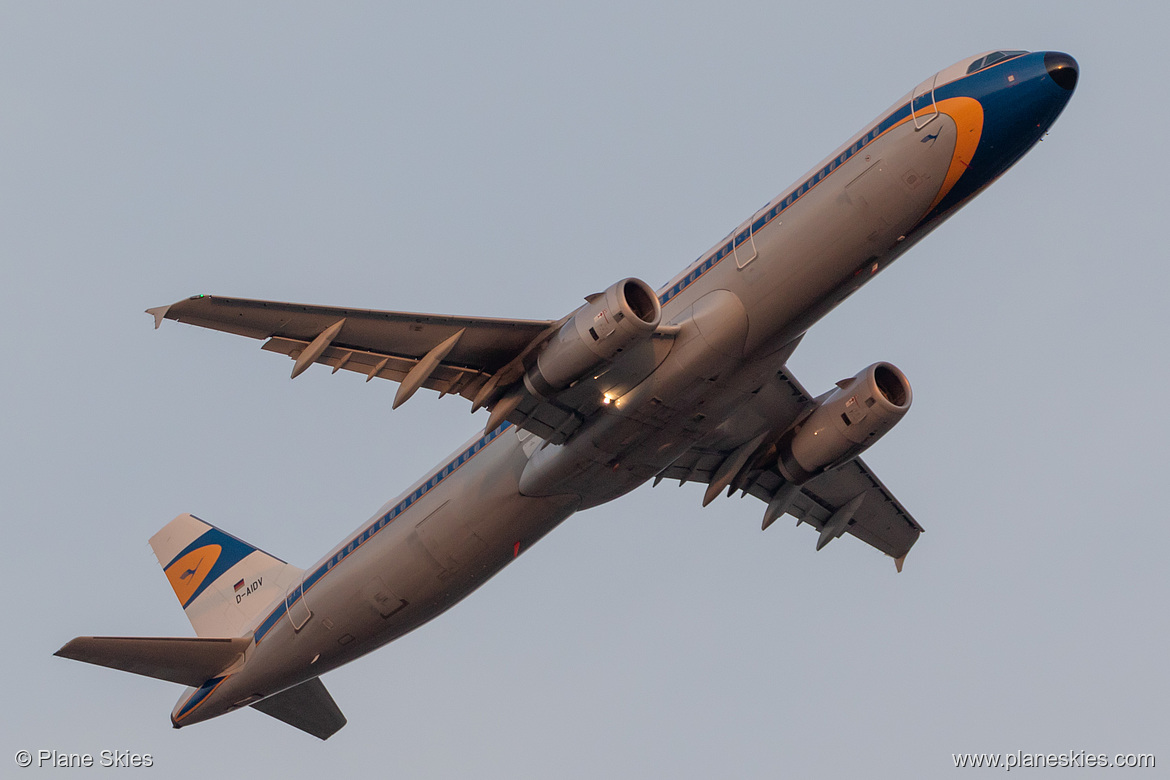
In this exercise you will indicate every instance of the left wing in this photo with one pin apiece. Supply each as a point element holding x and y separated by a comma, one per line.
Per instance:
<point>879,519</point>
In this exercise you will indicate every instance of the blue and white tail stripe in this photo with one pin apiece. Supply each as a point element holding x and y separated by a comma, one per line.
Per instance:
<point>222,582</point>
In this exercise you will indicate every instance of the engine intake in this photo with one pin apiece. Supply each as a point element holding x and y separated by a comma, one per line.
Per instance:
<point>596,333</point>
<point>845,422</point>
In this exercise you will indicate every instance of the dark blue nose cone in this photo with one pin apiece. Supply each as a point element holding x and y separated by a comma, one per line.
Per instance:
<point>1062,69</point>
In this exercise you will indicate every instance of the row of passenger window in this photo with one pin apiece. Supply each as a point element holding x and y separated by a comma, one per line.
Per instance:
<point>405,504</point>
<point>771,214</point>
<point>382,522</point>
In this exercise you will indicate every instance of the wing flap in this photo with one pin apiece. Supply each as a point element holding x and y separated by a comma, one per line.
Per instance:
<point>445,378</point>
<point>184,660</point>
<point>308,707</point>
<point>880,520</point>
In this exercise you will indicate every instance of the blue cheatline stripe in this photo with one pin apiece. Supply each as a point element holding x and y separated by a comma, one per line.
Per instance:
<point>271,620</point>
<point>368,532</point>
<point>198,697</point>
<point>706,263</point>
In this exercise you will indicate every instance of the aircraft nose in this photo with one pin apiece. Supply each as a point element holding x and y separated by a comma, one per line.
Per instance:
<point>1062,68</point>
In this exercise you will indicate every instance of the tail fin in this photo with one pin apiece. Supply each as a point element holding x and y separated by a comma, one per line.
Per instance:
<point>224,584</point>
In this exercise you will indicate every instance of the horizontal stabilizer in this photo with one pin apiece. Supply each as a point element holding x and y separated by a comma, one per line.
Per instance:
<point>308,707</point>
<point>183,660</point>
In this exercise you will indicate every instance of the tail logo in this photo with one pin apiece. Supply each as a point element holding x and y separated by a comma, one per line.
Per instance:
<point>188,572</point>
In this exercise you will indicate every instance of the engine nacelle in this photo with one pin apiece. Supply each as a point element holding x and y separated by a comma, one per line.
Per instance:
<point>595,334</point>
<point>845,422</point>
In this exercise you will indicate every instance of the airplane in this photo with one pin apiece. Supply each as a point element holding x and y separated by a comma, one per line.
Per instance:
<point>688,382</point>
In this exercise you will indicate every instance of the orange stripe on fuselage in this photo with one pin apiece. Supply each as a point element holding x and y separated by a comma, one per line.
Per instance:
<point>967,112</point>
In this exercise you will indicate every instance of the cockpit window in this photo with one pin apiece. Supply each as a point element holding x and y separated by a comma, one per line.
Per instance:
<point>991,59</point>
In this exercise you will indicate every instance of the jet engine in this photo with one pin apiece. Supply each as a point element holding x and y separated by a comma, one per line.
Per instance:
<point>595,334</point>
<point>844,422</point>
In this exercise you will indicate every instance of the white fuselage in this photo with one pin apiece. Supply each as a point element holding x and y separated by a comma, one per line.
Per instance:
<point>736,313</point>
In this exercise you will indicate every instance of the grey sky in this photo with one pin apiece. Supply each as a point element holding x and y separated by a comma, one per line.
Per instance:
<point>505,162</point>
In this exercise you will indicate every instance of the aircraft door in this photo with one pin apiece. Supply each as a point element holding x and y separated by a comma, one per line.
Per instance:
<point>743,244</point>
<point>923,106</point>
<point>298,607</point>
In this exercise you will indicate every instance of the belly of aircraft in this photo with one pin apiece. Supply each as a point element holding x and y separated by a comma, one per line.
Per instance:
<point>417,567</point>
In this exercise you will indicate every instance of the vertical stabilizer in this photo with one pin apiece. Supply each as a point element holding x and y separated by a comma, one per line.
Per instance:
<point>222,583</point>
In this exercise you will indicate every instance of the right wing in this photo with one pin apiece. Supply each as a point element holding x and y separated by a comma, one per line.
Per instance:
<point>479,358</point>
<point>382,344</point>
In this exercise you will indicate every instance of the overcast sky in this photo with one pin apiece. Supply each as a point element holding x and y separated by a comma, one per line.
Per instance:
<point>505,160</point>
